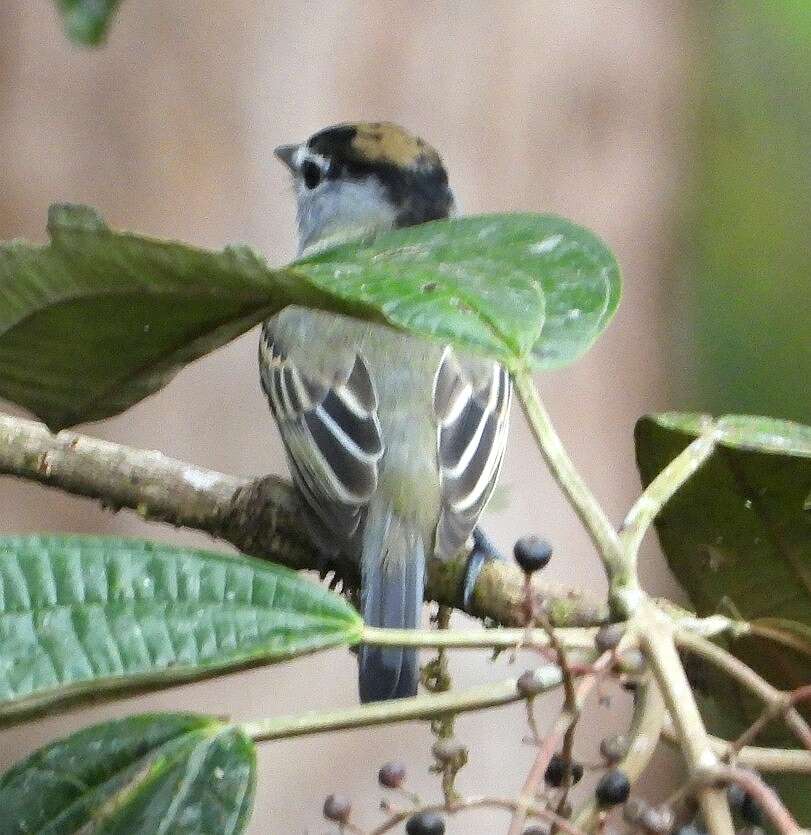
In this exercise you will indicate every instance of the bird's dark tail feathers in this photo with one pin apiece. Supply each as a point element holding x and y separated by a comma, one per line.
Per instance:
<point>392,587</point>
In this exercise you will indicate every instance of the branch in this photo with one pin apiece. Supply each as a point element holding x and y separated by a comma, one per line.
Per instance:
<point>656,636</point>
<point>765,797</point>
<point>624,584</point>
<point>465,804</point>
<point>428,706</point>
<point>550,743</point>
<point>778,760</point>
<point>262,517</point>
<point>568,639</point>
<point>659,492</point>
<point>778,702</point>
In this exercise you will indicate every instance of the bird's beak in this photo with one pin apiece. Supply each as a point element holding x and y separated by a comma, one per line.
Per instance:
<point>287,154</point>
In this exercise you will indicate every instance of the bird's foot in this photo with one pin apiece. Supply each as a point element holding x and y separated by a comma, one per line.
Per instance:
<point>483,551</point>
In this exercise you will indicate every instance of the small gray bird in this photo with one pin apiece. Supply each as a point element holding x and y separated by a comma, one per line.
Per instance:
<point>393,442</point>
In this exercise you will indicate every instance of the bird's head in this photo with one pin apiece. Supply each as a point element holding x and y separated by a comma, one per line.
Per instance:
<point>359,179</point>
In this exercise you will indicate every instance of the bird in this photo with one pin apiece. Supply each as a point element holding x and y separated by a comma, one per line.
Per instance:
<point>394,442</point>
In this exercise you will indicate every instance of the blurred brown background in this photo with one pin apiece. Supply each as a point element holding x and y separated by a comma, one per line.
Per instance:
<point>564,106</point>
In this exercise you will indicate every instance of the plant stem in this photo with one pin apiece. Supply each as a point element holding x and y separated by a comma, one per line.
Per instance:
<point>564,721</point>
<point>398,710</point>
<point>464,804</point>
<point>659,492</point>
<point>625,590</point>
<point>764,796</point>
<point>656,634</point>
<point>570,706</point>
<point>644,733</point>
<point>778,760</point>
<point>780,703</point>
<point>569,638</point>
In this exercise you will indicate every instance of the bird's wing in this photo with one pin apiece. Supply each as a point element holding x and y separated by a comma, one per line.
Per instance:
<point>330,427</point>
<point>472,407</point>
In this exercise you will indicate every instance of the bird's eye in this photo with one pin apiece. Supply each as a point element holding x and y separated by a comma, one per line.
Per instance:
<point>311,174</point>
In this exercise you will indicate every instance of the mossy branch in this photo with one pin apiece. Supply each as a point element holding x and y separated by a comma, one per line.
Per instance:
<point>261,517</point>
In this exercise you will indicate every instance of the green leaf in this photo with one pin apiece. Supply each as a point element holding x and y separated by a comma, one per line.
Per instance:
<point>738,532</point>
<point>84,617</point>
<point>764,434</point>
<point>87,21</point>
<point>97,320</point>
<point>168,773</point>
<point>738,538</point>
<point>532,289</point>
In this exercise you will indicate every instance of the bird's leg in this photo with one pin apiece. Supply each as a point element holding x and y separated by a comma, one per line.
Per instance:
<point>483,550</point>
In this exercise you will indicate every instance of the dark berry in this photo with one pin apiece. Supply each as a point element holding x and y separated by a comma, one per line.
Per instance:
<point>613,788</point>
<point>425,823</point>
<point>556,771</point>
<point>535,830</point>
<point>532,553</point>
<point>608,636</point>
<point>391,775</point>
<point>337,808</point>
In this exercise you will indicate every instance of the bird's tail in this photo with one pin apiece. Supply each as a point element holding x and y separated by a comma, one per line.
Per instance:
<point>392,586</point>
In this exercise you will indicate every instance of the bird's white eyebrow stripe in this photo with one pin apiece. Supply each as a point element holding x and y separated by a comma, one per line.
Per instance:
<point>303,154</point>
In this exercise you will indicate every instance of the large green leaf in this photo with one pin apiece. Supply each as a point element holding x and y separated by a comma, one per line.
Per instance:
<point>81,617</point>
<point>87,21</point>
<point>483,281</point>
<point>169,773</point>
<point>738,538</point>
<point>97,320</point>
<point>738,532</point>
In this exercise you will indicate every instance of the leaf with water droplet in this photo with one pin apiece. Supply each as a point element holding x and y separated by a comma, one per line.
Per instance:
<point>748,500</point>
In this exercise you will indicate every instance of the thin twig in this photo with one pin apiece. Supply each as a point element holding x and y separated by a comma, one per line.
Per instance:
<point>763,795</point>
<point>600,529</point>
<point>780,636</point>
<point>643,737</point>
<point>465,804</point>
<point>656,636</point>
<point>659,492</point>
<point>570,706</point>
<point>550,744</point>
<point>778,760</point>
<point>780,702</point>
<point>437,679</point>
<point>570,639</point>
<point>428,706</point>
